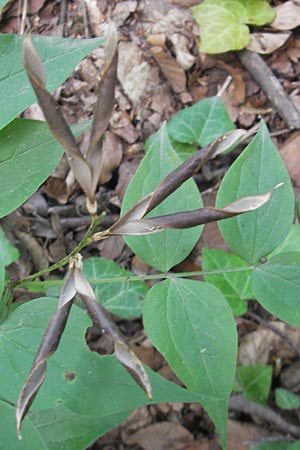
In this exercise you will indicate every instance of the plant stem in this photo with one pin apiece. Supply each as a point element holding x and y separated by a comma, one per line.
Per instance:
<point>83,243</point>
<point>166,275</point>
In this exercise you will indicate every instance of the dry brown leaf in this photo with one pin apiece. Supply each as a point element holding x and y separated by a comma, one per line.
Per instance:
<point>265,43</point>
<point>112,156</point>
<point>242,436</point>
<point>291,155</point>
<point>95,16</point>
<point>126,171</point>
<point>171,69</point>
<point>287,16</point>
<point>162,436</point>
<point>258,346</point>
<point>134,72</point>
<point>123,10</point>
<point>290,376</point>
<point>122,126</point>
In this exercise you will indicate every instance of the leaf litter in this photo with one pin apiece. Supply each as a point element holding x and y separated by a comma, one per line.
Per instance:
<point>163,74</point>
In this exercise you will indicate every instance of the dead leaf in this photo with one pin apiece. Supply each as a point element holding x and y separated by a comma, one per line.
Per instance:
<point>242,435</point>
<point>171,69</point>
<point>162,436</point>
<point>134,72</point>
<point>123,10</point>
<point>287,16</point>
<point>258,346</point>
<point>112,156</point>
<point>122,126</point>
<point>290,376</point>
<point>95,17</point>
<point>265,43</point>
<point>291,156</point>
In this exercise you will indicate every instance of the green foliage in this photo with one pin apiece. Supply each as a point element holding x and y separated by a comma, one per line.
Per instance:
<point>185,314</point>
<point>223,26</point>
<point>190,322</point>
<point>84,395</point>
<point>29,154</point>
<point>276,285</point>
<point>59,56</point>
<point>255,382</point>
<point>201,123</point>
<point>235,285</point>
<point>257,169</point>
<point>123,298</point>
<point>8,252</point>
<point>173,245</point>
<point>286,399</point>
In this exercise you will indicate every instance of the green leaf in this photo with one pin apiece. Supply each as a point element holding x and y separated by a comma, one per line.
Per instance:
<point>191,324</point>
<point>258,169</point>
<point>3,3</point>
<point>8,252</point>
<point>298,207</point>
<point>29,153</point>
<point>166,249</point>
<point>84,394</point>
<point>2,275</point>
<point>201,123</point>
<point>59,57</point>
<point>8,436</point>
<point>222,23</point>
<point>276,285</point>
<point>286,399</point>
<point>255,381</point>
<point>235,285</point>
<point>291,243</point>
<point>123,298</point>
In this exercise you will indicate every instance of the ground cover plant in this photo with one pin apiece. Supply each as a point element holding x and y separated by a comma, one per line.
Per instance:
<point>80,394</point>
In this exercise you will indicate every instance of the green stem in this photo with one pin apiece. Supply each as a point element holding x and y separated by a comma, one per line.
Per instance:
<point>165,275</point>
<point>83,243</point>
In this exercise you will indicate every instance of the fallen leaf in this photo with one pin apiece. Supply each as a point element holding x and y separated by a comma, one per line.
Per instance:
<point>171,69</point>
<point>162,436</point>
<point>134,73</point>
<point>287,16</point>
<point>242,435</point>
<point>291,156</point>
<point>258,346</point>
<point>112,156</point>
<point>122,126</point>
<point>265,43</point>
<point>290,376</point>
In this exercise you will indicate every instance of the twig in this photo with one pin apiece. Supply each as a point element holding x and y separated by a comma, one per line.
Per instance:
<point>24,14</point>
<point>272,88</point>
<point>275,330</point>
<point>224,86</point>
<point>240,404</point>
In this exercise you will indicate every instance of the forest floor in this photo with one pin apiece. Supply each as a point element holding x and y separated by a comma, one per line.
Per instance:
<point>160,72</point>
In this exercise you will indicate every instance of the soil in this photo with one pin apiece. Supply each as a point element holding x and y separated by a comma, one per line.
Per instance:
<point>160,72</point>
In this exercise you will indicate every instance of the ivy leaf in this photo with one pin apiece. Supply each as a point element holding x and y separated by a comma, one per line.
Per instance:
<point>258,169</point>
<point>255,381</point>
<point>59,57</point>
<point>191,324</point>
<point>165,249</point>
<point>276,285</point>
<point>8,252</point>
<point>223,22</point>
<point>201,123</point>
<point>123,298</point>
<point>286,399</point>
